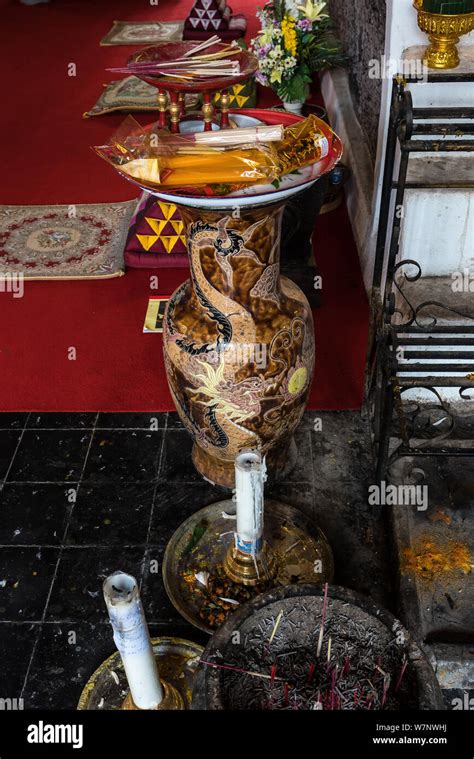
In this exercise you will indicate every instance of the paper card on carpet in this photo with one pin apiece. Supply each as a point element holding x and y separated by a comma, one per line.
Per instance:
<point>154,315</point>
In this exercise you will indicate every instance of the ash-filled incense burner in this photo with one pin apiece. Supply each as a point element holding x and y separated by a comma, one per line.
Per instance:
<point>305,647</point>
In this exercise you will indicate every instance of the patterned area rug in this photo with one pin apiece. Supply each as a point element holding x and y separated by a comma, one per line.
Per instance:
<point>143,32</point>
<point>132,94</point>
<point>64,242</point>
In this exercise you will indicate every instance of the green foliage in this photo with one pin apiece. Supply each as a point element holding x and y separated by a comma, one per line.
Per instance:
<point>324,51</point>
<point>198,532</point>
<point>296,88</point>
<point>279,8</point>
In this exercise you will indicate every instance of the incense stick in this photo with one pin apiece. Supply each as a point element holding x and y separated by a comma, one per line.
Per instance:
<point>242,671</point>
<point>207,43</point>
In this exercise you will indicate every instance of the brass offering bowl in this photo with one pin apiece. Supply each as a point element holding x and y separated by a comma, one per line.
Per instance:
<point>202,550</point>
<point>444,31</point>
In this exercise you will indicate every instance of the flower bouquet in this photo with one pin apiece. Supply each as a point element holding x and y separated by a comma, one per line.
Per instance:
<point>295,41</point>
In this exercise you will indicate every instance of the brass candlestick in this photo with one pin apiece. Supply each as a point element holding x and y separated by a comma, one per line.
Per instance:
<point>177,660</point>
<point>203,547</point>
<point>444,31</point>
<point>172,700</point>
<point>250,570</point>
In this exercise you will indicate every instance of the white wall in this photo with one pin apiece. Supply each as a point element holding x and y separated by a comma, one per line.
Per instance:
<point>438,229</point>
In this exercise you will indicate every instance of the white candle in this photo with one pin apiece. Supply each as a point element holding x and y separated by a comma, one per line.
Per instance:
<point>132,639</point>
<point>250,475</point>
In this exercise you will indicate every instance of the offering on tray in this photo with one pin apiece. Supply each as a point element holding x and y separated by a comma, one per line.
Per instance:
<point>216,162</point>
<point>193,66</point>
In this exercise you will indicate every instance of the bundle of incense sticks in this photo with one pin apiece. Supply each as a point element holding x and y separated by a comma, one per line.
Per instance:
<point>190,66</point>
<point>238,136</point>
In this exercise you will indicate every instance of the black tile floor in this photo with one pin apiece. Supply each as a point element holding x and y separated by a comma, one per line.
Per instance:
<point>82,495</point>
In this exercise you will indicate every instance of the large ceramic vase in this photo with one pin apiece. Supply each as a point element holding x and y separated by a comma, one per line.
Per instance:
<point>238,341</point>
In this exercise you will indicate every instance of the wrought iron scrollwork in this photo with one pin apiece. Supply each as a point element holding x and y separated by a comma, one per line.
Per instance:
<point>415,310</point>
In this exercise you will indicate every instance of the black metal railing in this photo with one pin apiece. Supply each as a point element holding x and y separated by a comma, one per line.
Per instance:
<point>406,338</point>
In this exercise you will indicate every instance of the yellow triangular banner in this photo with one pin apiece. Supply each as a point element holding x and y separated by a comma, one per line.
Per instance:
<point>157,225</point>
<point>147,240</point>
<point>238,88</point>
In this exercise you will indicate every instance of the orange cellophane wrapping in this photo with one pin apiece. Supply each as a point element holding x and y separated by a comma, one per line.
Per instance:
<point>158,159</point>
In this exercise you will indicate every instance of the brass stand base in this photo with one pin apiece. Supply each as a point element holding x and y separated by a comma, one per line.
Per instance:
<point>177,661</point>
<point>248,570</point>
<point>442,53</point>
<point>172,700</point>
<point>202,549</point>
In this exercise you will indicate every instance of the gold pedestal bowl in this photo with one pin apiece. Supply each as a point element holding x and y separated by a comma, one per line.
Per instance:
<point>444,32</point>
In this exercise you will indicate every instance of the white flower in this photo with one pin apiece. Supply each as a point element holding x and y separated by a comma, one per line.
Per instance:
<point>313,10</point>
<point>277,52</point>
<point>292,7</point>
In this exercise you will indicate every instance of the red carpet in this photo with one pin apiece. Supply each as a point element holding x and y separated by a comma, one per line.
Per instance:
<point>49,160</point>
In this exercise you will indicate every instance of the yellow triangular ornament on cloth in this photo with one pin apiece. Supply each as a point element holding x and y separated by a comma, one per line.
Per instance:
<point>169,242</point>
<point>167,209</point>
<point>147,240</point>
<point>157,225</point>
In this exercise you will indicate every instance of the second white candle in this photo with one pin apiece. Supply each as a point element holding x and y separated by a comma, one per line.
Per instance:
<point>250,475</point>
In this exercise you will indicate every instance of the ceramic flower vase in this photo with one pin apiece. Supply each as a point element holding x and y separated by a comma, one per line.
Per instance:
<point>294,106</point>
<point>238,341</point>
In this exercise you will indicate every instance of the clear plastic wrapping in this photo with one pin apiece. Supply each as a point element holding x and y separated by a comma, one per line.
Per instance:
<point>303,143</point>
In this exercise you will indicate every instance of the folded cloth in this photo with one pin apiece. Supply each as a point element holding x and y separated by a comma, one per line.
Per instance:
<point>213,17</point>
<point>226,35</point>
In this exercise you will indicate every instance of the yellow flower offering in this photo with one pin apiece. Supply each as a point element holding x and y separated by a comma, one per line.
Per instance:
<point>288,28</point>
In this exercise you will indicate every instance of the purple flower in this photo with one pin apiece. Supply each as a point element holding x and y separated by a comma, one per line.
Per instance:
<point>261,78</point>
<point>304,24</point>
